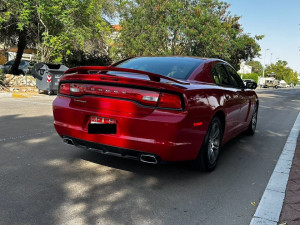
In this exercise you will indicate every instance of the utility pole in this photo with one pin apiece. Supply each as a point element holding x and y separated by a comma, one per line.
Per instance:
<point>264,63</point>
<point>271,59</point>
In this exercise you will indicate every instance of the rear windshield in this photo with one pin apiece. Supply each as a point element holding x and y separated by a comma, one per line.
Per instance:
<point>175,67</point>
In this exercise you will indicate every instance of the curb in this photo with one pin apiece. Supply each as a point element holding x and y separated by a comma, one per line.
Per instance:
<point>270,206</point>
<point>5,94</point>
<point>15,95</point>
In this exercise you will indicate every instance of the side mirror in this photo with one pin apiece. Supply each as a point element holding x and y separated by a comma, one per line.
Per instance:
<point>251,85</point>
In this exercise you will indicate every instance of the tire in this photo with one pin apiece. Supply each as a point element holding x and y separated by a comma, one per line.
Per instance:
<point>253,122</point>
<point>49,92</point>
<point>39,91</point>
<point>209,153</point>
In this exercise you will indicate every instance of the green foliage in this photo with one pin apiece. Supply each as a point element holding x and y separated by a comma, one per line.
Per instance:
<point>253,76</point>
<point>197,28</point>
<point>256,67</point>
<point>80,58</point>
<point>69,24</point>
<point>58,27</point>
<point>17,17</point>
<point>283,72</point>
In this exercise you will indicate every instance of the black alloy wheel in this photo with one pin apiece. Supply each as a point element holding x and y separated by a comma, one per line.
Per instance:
<point>209,153</point>
<point>253,123</point>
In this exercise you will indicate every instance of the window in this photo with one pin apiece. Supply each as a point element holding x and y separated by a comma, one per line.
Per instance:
<point>220,75</point>
<point>175,67</point>
<point>9,63</point>
<point>235,79</point>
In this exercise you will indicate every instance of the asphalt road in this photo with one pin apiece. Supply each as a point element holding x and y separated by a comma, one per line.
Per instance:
<point>44,181</point>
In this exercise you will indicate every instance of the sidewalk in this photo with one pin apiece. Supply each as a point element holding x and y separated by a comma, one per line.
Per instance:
<point>290,214</point>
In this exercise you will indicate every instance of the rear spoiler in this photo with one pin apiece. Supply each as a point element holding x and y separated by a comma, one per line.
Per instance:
<point>152,76</point>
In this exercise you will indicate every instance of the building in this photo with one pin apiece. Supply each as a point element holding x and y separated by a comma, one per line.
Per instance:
<point>245,69</point>
<point>29,54</point>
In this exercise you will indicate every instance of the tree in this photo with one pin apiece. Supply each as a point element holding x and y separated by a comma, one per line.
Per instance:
<point>283,72</point>
<point>72,25</point>
<point>196,27</point>
<point>256,66</point>
<point>56,27</point>
<point>18,26</point>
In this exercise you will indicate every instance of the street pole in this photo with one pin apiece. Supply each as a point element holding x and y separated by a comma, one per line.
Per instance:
<point>264,63</point>
<point>271,59</point>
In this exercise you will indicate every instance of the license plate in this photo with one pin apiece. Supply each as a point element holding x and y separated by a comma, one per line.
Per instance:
<point>101,125</point>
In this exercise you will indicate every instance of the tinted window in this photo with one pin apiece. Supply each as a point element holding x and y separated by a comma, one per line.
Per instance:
<point>175,67</point>
<point>234,77</point>
<point>9,63</point>
<point>220,75</point>
<point>23,63</point>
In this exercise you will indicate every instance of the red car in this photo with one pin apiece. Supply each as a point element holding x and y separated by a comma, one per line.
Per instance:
<point>156,109</point>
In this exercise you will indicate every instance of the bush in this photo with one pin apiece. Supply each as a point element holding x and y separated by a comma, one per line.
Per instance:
<point>79,58</point>
<point>253,76</point>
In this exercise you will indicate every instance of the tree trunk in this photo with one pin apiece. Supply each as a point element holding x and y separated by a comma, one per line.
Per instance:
<point>21,46</point>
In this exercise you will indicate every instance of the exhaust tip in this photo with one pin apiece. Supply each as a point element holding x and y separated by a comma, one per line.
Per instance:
<point>68,141</point>
<point>148,159</point>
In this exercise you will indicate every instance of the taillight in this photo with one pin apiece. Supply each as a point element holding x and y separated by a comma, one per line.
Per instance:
<point>169,101</point>
<point>77,89</point>
<point>144,97</point>
<point>64,89</point>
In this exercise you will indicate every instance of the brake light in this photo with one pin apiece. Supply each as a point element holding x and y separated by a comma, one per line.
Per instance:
<point>143,97</point>
<point>169,101</point>
<point>77,89</point>
<point>64,89</point>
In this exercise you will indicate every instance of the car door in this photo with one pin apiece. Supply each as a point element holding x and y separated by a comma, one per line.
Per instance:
<point>230,100</point>
<point>243,98</point>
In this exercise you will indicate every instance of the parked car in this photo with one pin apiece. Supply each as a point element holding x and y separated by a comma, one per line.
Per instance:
<point>247,80</point>
<point>23,67</point>
<point>156,109</point>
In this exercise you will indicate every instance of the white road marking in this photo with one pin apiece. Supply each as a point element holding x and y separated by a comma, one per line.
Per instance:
<point>270,206</point>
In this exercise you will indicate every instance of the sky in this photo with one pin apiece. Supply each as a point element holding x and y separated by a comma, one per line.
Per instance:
<point>279,21</point>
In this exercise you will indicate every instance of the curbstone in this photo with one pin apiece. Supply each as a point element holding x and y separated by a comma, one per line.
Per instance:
<point>270,206</point>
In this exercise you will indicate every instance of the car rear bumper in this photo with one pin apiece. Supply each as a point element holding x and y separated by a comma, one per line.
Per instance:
<point>111,150</point>
<point>168,136</point>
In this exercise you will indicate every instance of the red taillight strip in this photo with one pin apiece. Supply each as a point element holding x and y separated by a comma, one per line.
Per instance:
<point>144,97</point>
<point>170,101</point>
<point>64,89</point>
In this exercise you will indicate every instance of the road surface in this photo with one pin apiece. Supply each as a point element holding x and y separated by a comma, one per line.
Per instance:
<point>44,181</point>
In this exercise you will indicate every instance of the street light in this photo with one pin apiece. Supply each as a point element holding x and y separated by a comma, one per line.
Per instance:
<point>271,59</point>
<point>264,63</point>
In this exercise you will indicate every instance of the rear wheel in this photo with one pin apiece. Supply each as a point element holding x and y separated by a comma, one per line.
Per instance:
<point>209,152</point>
<point>252,126</point>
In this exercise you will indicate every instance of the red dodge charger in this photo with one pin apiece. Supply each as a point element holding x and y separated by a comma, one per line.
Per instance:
<point>156,109</point>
